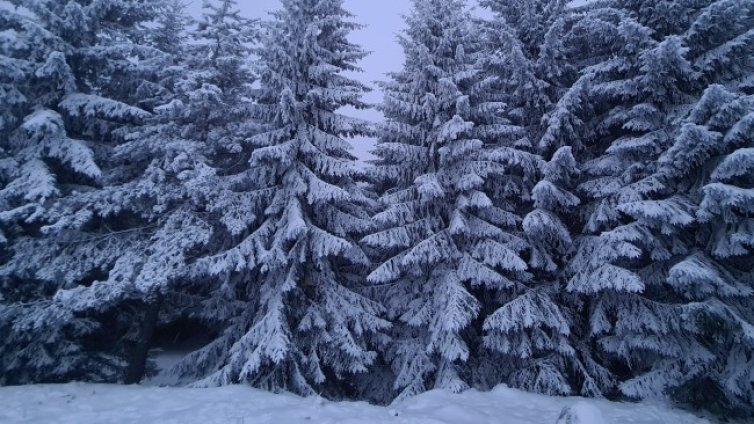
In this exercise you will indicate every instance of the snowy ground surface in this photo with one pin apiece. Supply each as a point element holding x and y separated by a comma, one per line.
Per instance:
<point>103,404</point>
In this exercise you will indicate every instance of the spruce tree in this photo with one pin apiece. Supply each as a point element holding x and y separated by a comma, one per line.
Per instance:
<point>173,22</point>
<point>533,328</point>
<point>66,121</point>
<point>694,215</point>
<point>448,231</point>
<point>543,327</point>
<point>628,111</point>
<point>707,269</point>
<point>531,20</point>
<point>306,328</point>
<point>213,97</point>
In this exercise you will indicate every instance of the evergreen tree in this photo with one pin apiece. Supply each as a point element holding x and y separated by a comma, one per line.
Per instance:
<point>694,214</point>
<point>531,329</point>
<point>192,150</point>
<point>726,251</point>
<point>628,109</point>
<point>511,78</point>
<point>217,95</point>
<point>63,121</point>
<point>707,269</point>
<point>305,327</point>
<point>530,19</point>
<point>664,17</point>
<point>147,178</point>
<point>449,224</point>
<point>172,24</point>
<point>535,58</point>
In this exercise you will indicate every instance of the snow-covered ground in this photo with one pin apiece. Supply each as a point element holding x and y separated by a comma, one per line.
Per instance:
<point>103,404</point>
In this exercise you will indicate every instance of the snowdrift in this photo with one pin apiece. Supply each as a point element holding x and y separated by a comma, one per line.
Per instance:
<point>106,404</point>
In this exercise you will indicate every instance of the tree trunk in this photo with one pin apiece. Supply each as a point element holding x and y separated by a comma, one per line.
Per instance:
<point>137,366</point>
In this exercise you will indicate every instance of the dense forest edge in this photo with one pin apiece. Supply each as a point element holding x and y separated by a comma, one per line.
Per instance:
<point>562,199</point>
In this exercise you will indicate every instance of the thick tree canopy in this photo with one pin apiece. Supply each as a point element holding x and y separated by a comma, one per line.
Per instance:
<point>561,200</point>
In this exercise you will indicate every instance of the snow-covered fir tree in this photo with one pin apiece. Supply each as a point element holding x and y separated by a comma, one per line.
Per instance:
<point>67,119</point>
<point>634,95</point>
<point>628,109</point>
<point>695,214</point>
<point>511,77</point>
<point>182,175</point>
<point>427,132</point>
<point>198,138</point>
<point>172,26</point>
<point>449,233</point>
<point>663,17</point>
<point>304,327</point>
<point>531,20</point>
<point>217,90</point>
<point>534,325</point>
<point>704,180</point>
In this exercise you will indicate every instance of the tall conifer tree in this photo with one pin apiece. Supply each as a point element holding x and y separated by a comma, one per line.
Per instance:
<point>64,121</point>
<point>449,229</point>
<point>306,328</point>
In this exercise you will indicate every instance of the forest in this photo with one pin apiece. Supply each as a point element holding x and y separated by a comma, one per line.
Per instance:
<point>562,199</point>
